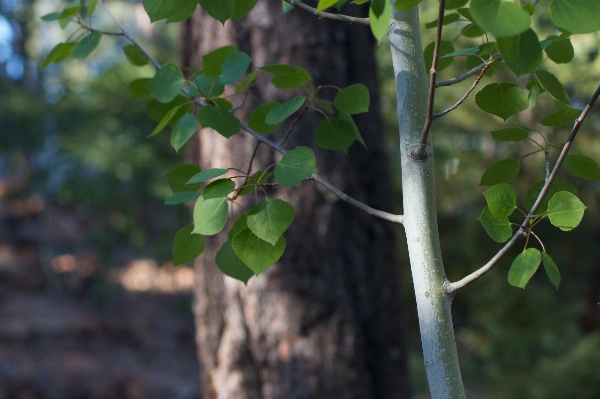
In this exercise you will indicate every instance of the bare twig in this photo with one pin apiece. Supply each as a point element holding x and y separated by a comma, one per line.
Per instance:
<point>261,139</point>
<point>326,15</point>
<point>453,287</point>
<point>464,76</point>
<point>287,134</point>
<point>463,98</point>
<point>432,75</point>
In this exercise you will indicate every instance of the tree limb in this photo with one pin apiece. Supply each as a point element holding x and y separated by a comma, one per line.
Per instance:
<point>451,288</point>
<point>326,15</point>
<point>460,78</point>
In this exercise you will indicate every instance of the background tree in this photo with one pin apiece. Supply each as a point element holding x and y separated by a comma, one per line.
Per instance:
<point>326,321</point>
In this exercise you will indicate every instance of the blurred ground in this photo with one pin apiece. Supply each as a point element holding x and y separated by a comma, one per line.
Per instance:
<point>70,330</point>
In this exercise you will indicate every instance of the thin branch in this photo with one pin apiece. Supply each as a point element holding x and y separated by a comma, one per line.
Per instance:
<point>261,139</point>
<point>432,75</point>
<point>547,164</point>
<point>463,98</point>
<point>453,287</point>
<point>326,15</point>
<point>464,76</point>
<point>287,134</point>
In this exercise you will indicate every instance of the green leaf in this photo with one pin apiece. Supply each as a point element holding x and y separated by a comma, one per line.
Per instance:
<point>500,18</point>
<point>187,11</point>
<point>560,50</point>
<point>575,16</point>
<point>380,23</point>
<point>452,4</point>
<point>565,210</point>
<point>178,177</point>
<point>53,16</point>
<point>406,5</point>
<point>524,267</point>
<point>583,166</point>
<point>463,52</point>
<point>86,45</point>
<point>59,53</point>
<point>234,67</point>
<point>242,8</point>
<point>257,254</point>
<point>270,218</point>
<point>183,130</point>
<point>357,136</point>
<point>287,76</point>
<point>378,6</point>
<point>558,184</point>
<point>220,10</point>
<point>159,9</point>
<point>522,53</point>
<point>499,230</point>
<point>295,166</point>
<point>165,121</point>
<point>510,134</point>
<point>134,55</point>
<point>250,186</point>
<point>335,134</point>
<point>231,265</point>
<point>219,119</point>
<point>218,189</point>
<point>502,200</point>
<point>501,172</point>
<point>210,215</point>
<point>552,86</point>
<point>182,197</point>
<point>561,117</point>
<point>167,83</point>
<point>207,175</point>
<point>157,110</point>
<point>551,269</point>
<point>445,48</point>
<point>91,7</point>
<point>282,111</point>
<point>187,246</point>
<point>213,61</point>
<point>70,11</point>
<point>353,99</point>
<point>244,85</point>
<point>324,4</point>
<point>534,94</point>
<point>501,99</point>
<point>240,224</point>
<point>257,120</point>
<point>137,87</point>
<point>208,87</point>
<point>448,19</point>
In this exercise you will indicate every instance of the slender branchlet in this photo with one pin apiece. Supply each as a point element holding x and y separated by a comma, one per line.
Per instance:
<point>326,15</point>
<point>463,98</point>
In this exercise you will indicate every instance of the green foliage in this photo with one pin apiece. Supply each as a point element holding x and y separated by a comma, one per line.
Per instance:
<point>86,45</point>
<point>167,83</point>
<point>287,76</point>
<point>552,86</point>
<point>575,16</point>
<point>583,166</point>
<point>502,200</point>
<point>510,134</point>
<point>270,218</point>
<point>558,184</point>
<point>561,117</point>
<point>522,53</point>
<point>158,9</point>
<point>256,253</point>
<point>445,49</point>
<point>501,172</point>
<point>405,5</point>
<point>187,246</point>
<point>499,230</point>
<point>207,175</point>
<point>500,18</point>
<point>295,166</point>
<point>165,120</point>
<point>219,119</point>
<point>502,99</point>
<point>219,188</point>
<point>353,99</point>
<point>281,112</point>
<point>234,67</point>
<point>220,10</point>
<point>231,265</point>
<point>135,55</point>
<point>185,127</point>
<point>179,177</point>
<point>524,267</point>
<point>257,120</point>
<point>335,134</point>
<point>551,269</point>
<point>560,50</point>
<point>565,210</point>
<point>210,215</point>
<point>380,21</point>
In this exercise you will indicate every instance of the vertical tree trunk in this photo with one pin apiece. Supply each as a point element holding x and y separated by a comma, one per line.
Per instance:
<point>326,320</point>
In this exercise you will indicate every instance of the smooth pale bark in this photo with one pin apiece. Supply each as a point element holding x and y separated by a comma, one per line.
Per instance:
<point>420,216</point>
<point>325,321</point>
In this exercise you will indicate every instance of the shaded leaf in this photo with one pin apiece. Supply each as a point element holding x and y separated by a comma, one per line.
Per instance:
<point>219,119</point>
<point>501,172</point>
<point>287,76</point>
<point>206,175</point>
<point>502,99</point>
<point>187,246</point>
<point>257,254</point>
<point>213,61</point>
<point>167,83</point>
<point>234,67</point>
<point>137,87</point>
<point>552,86</point>
<point>178,177</point>
<point>259,177</point>
<point>500,18</point>
<point>559,184</point>
<point>524,267</point>
<point>560,50</point>
<point>240,224</point>
<point>134,55</point>
<point>159,9</point>
<point>380,23</point>
<point>510,134</point>
<point>583,166</point>
<point>282,111</point>
<point>561,117</point>
<point>165,121</point>
<point>270,218</point>
<point>353,99</point>
<point>183,130</point>
<point>231,265</point>
<point>220,10</point>
<point>242,8</point>
<point>551,269</point>
<point>86,45</point>
<point>575,16</point>
<point>182,197</point>
<point>335,134</point>
<point>522,53</point>
<point>257,120</point>
<point>446,47</point>
<point>295,166</point>
<point>218,189</point>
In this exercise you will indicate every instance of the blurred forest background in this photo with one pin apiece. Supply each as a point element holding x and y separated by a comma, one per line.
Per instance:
<point>90,305</point>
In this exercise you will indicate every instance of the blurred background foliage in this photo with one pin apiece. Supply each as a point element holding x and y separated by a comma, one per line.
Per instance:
<point>79,137</point>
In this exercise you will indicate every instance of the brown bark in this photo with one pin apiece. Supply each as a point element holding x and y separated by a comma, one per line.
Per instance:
<point>326,320</point>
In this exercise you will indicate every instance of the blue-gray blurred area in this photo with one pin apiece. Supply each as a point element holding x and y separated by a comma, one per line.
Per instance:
<point>90,306</point>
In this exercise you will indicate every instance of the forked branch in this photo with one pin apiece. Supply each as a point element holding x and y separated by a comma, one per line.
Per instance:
<point>451,288</point>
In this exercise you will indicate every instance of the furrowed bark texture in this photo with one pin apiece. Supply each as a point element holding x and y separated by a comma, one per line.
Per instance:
<point>420,217</point>
<point>326,320</point>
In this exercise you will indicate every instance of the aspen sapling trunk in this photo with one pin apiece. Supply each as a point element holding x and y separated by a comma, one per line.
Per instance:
<point>420,216</point>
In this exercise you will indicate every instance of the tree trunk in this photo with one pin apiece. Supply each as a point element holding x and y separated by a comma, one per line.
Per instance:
<point>326,320</point>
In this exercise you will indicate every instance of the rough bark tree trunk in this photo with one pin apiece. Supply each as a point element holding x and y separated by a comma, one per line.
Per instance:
<point>326,320</point>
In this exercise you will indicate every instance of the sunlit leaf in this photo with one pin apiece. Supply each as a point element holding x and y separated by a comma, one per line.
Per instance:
<point>502,99</point>
<point>499,230</point>
<point>575,16</point>
<point>565,210</point>
<point>210,215</point>
<point>500,18</point>
<point>380,23</point>
<point>256,253</point>
<point>502,200</point>
<point>270,218</point>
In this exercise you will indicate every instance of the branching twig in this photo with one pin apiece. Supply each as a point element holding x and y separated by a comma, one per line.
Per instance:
<point>432,75</point>
<point>326,15</point>
<point>463,98</point>
<point>261,139</point>
<point>466,75</point>
<point>287,134</point>
<point>453,287</point>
